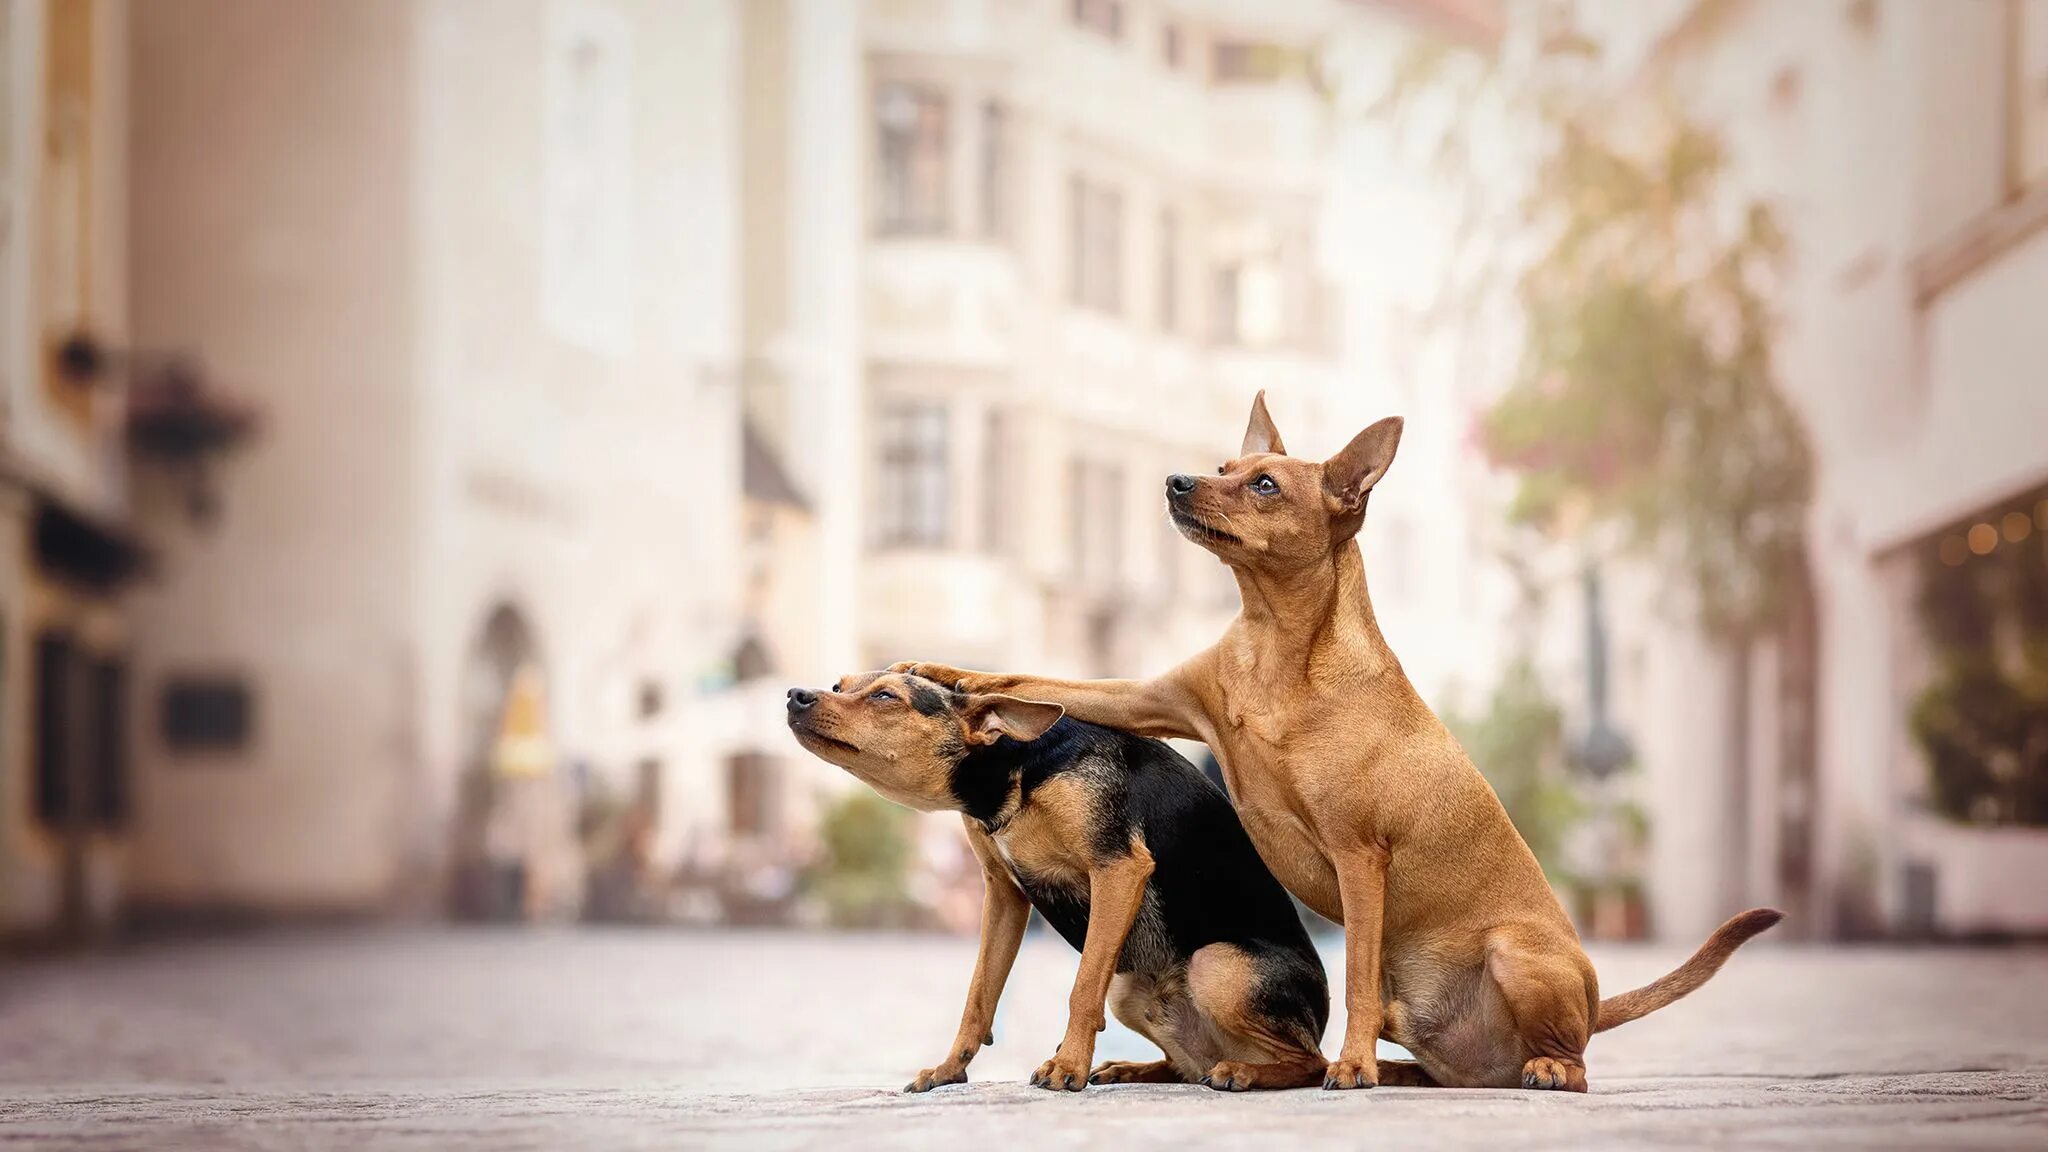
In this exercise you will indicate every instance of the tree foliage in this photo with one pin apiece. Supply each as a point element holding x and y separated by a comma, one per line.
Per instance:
<point>1518,744</point>
<point>862,875</point>
<point>1645,394</point>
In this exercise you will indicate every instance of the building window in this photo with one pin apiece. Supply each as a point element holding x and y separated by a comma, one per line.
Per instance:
<point>1247,305</point>
<point>995,143</point>
<point>54,657</point>
<point>647,788</point>
<point>913,486</point>
<point>1095,245</point>
<point>81,736</point>
<point>207,714</point>
<point>1095,519</point>
<point>586,234</point>
<point>1171,49</point>
<point>1103,17</point>
<point>996,456</point>
<point>2028,96</point>
<point>650,699</point>
<point>1979,715</point>
<point>109,741</point>
<point>1169,271</point>
<point>752,796</point>
<point>1322,316</point>
<point>1227,307</point>
<point>1250,62</point>
<point>752,659</point>
<point>911,123</point>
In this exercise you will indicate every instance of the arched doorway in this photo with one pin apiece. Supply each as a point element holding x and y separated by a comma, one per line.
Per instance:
<point>510,796</point>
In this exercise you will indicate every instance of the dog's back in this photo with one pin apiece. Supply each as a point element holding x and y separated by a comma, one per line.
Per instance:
<point>1208,884</point>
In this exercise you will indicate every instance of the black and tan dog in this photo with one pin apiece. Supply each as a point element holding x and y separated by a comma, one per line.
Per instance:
<point>1126,850</point>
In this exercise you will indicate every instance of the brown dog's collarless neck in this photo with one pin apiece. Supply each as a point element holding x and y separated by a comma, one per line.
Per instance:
<point>1289,616</point>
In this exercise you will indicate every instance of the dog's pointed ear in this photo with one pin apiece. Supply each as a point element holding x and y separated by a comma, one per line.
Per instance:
<point>1350,474</point>
<point>1260,435</point>
<point>991,716</point>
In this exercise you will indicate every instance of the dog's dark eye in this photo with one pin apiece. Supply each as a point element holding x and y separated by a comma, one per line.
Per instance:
<point>1264,485</point>
<point>883,694</point>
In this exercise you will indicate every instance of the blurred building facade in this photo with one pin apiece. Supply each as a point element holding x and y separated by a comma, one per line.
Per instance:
<point>475,261</point>
<point>1008,264</point>
<point>1063,246</point>
<point>1905,148</point>
<point>618,363</point>
<point>474,264</point>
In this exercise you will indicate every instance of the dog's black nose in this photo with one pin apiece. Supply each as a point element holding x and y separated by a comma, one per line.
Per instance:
<point>801,699</point>
<point>1179,484</point>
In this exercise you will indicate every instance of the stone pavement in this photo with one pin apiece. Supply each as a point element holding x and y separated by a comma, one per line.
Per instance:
<point>559,1039</point>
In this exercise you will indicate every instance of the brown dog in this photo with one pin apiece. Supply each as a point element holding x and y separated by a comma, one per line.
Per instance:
<point>1359,799</point>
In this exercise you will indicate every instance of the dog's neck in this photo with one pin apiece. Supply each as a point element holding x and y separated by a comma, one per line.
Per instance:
<point>1296,616</point>
<point>990,782</point>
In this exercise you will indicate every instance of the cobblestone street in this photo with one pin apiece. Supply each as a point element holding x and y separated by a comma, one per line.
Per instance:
<point>450,1039</point>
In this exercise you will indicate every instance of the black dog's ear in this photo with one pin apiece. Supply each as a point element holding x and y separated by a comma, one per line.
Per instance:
<point>1260,436</point>
<point>1350,474</point>
<point>993,715</point>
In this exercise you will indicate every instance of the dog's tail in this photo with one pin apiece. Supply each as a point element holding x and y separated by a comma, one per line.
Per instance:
<point>1687,977</point>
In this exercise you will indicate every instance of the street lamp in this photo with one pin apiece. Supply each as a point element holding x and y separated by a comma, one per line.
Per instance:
<point>175,417</point>
<point>1603,750</point>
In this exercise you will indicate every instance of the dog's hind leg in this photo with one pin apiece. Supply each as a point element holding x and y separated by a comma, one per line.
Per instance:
<point>1268,1016</point>
<point>1136,1072</point>
<point>1404,1074</point>
<point>1146,1005</point>
<point>1551,999</point>
<point>1397,1025</point>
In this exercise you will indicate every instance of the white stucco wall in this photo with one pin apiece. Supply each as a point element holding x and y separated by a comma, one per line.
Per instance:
<point>592,484</point>
<point>275,241</point>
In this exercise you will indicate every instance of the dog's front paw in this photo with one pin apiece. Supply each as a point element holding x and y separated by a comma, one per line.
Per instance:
<point>1062,1073</point>
<point>947,1073</point>
<point>959,680</point>
<point>1346,1073</point>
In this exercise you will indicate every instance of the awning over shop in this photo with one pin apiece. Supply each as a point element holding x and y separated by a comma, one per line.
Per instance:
<point>79,547</point>
<point>73,543</point>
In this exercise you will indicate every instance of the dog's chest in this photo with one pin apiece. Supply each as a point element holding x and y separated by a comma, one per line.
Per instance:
<point>1264,750</point>
<point>1042,854</point>
<point>1050,864</point>
<point>1264,769</point>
